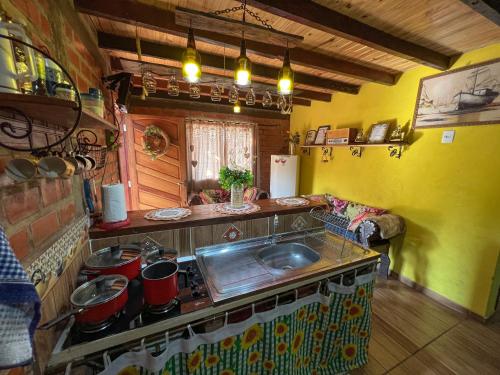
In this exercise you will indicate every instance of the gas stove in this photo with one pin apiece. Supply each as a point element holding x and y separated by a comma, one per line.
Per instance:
<point>192,296</point>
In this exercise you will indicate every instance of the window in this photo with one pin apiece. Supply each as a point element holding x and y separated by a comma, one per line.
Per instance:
<point>214,144</point>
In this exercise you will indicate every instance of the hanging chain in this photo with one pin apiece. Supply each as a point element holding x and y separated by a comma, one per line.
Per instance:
<point>246,10</point>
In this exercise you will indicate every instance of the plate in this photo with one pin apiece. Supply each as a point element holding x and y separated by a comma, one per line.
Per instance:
<point>292,201</point>
<point>168,214</point>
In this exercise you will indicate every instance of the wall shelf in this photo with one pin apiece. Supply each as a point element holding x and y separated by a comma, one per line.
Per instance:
<point>53,111</point>
<point>395,149</point>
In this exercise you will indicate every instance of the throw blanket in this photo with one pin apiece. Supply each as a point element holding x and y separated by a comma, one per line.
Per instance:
<point>389,225</point>
<point>19,309</point>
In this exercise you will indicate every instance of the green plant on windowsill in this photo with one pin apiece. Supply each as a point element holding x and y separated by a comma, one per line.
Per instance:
<point>238,177</point>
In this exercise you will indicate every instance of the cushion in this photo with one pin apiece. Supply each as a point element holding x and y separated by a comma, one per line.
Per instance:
<point>250,194</point>
<point>355,212</point>
<point>209,196</point>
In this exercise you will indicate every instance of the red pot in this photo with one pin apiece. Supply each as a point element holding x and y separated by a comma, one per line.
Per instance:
<point>115,260</point>
<point>96,301</point>
<point>161,283</point>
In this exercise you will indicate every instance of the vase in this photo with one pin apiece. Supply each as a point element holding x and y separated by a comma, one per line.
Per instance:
<point>236,196</point>
<point>291,148</point>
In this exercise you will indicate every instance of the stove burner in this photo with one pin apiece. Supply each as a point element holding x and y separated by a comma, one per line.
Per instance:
<point>162,309</point>
<point>97,327</point>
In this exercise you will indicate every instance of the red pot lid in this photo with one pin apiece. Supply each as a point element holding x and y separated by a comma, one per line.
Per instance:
<point>113,256</point>
<point>99,290</point>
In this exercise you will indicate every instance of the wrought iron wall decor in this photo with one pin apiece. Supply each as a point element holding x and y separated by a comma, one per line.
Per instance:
<point>11,128</point>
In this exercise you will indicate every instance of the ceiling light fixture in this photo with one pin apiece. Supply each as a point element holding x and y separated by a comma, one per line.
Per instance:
<point>191,60</point>
<point>243,68</point>
<point>285,76</point>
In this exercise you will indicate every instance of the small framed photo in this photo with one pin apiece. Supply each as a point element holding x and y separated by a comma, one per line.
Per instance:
<point>310,137</point>
<point>378,133</point>
<point>321,135</point>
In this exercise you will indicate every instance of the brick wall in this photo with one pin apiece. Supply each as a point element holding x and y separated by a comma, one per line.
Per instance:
<point>37,213</point>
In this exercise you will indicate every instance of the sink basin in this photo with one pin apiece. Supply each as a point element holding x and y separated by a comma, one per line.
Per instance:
<point>288,256</point>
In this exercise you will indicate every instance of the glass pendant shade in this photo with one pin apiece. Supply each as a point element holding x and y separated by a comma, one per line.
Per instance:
<point>243,67</point>
<point>191,61</point>
<point>285,76</point>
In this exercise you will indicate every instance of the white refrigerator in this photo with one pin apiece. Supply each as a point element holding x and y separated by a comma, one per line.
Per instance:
<point>284,176</point>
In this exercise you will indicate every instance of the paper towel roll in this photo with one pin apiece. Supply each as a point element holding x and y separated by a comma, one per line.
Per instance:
<point>113,203</point>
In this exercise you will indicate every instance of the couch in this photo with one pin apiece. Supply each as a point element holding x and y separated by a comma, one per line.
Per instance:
<point>210,196</point>
<point>371,227</point>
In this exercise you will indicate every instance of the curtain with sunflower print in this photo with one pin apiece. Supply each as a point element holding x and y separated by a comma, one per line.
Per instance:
<point>314,335</point>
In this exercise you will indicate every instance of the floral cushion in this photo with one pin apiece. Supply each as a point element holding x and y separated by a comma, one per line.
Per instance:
<point>355,212</point>
<point>250,194</point>
<point>209,196</point>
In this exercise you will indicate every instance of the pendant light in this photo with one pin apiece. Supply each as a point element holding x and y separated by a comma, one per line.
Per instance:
<point>191,60</point>
<point>237,107</point>
<point>243,68</point>
<point>285,76</point>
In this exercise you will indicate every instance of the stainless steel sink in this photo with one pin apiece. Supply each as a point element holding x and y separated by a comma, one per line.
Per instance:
<point>288,256</point>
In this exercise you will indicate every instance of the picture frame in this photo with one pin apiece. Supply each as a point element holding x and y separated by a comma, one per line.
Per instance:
<point>310,137</point>
<point>378,133</point>
<point>320,138</point>
<point>460,97</point>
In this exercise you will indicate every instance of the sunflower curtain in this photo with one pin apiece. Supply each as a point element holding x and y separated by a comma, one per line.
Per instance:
<point>316,334</point>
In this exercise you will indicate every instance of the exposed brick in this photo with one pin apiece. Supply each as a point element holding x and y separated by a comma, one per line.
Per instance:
<point>51,192</point>
<point>44,227</point>
<point>16,371</point>
<point>66,187</point>
<point>20,243</point>
<point>67,213</point>
<point>21,204</point>
<point>74,58</point>
<point>45,26</point>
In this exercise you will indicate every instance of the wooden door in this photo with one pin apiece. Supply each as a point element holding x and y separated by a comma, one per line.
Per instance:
<point>158,183</point>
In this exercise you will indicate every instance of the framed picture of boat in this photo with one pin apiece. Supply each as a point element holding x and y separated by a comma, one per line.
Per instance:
<point>465,96</point>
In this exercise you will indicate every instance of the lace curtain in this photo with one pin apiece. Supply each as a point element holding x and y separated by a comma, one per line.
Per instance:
<point>214,144</point>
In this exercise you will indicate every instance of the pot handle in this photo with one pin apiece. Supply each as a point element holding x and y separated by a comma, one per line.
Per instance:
<point>185,275</point>
<point>60,318</point>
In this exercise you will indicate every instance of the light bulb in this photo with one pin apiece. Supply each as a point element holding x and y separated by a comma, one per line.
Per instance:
<point>190,72</point>
<point>242,77</point>
<point>285,86</point>
<point>237,108</point>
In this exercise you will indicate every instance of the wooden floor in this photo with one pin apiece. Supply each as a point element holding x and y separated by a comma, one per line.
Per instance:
<point>414,335</point>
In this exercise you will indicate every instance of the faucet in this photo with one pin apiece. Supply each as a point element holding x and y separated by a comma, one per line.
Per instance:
<point>276,223</point>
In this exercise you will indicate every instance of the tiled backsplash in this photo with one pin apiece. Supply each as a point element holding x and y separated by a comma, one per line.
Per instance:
<point>52,262</point>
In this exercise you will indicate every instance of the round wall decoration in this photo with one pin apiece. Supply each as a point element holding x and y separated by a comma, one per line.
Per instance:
<point>155,142</point>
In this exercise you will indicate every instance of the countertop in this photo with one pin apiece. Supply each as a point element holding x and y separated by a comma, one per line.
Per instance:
<point>355,258</point>
<point>201,215</point>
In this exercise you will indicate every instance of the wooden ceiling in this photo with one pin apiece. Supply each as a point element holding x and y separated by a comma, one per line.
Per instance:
<point>346,42</point>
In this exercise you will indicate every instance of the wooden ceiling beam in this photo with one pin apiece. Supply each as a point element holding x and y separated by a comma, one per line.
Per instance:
<point>136,105</point>
<point>153,18</point>
<point>162,86</point>
<point>169,52</point>
<point>487,8</point>
<point>300,96</point>
<point>330,21</point>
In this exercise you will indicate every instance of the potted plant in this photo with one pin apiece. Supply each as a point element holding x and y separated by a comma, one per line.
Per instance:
<point>235,180</point>
<point>293,141</point>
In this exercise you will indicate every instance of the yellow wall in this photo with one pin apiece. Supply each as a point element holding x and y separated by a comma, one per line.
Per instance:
<point>449,194</point>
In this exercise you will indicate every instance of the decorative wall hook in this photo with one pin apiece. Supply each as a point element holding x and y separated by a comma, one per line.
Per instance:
<point>356,151</point>
<point>395,151</point>
<point>326,154</point>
